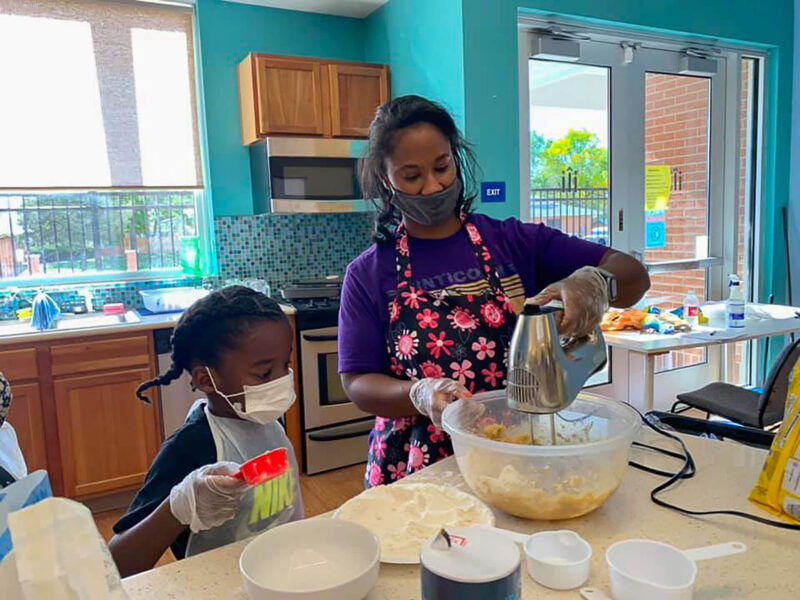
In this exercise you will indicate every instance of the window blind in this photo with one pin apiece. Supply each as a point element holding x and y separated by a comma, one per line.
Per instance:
<point>97,95</point>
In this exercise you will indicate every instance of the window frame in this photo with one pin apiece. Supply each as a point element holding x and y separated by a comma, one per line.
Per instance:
<point>203,201</point>
<point>161,273</point>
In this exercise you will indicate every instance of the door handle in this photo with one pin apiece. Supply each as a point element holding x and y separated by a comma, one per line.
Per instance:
<point>342,433</point>
<point>320,338</point>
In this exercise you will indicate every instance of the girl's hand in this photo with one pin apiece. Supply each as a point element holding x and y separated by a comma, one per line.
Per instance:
<point>207,497</point>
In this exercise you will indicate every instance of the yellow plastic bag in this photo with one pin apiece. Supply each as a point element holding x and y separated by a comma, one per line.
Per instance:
<point>778,487</point>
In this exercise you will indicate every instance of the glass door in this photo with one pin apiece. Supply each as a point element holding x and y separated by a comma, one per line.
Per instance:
<point>627,149</point>
<point>681,206</point>
<point>569,142</point>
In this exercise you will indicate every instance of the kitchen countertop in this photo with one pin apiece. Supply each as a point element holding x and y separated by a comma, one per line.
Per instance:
<point>145,323</point>
<point>726,474</point>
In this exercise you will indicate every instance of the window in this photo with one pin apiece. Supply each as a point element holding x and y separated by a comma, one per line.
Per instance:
<point>100,169</point>
<point>569,123</point>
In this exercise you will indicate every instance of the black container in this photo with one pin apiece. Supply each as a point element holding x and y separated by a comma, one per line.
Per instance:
<point>480,565</point>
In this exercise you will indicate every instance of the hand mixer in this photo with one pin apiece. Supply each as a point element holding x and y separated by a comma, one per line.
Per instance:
<point>546,373</point>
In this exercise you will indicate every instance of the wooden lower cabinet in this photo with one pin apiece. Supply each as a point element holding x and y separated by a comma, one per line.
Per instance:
<point>25,416</point>
<point>107,437</point>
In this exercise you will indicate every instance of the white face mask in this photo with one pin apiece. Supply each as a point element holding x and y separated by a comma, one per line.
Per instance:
<point>266,402</point>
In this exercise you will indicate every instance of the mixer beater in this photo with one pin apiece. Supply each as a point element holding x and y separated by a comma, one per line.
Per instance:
<point>546,373</point>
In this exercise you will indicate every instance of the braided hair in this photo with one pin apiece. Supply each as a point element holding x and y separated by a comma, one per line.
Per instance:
<point>209,326</point>
<point>397,114</point>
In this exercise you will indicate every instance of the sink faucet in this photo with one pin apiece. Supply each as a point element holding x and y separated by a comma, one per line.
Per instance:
<point>88,297</point>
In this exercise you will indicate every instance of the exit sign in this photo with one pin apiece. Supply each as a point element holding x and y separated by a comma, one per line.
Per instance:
<point>493,191</point>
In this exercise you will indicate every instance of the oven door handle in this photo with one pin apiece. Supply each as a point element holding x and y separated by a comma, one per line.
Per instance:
<point>343,432</point>
<point>320,338</point>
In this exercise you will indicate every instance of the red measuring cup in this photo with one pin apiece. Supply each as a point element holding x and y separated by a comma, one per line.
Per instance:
<point>265,467</point>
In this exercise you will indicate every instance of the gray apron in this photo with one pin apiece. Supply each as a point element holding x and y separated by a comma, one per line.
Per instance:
<point>263,506</point>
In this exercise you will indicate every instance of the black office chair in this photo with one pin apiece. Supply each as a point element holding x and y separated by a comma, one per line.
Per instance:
<point>745,406</point>
<point>750,436</point>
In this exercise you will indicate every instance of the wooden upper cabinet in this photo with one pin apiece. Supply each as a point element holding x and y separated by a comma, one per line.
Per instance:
<point>291,96</point>
<point>355,93</point>
<point>288,96</point>
<point>280,97</point>
<point>108,438</point>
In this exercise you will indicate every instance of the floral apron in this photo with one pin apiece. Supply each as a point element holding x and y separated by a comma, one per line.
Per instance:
<point>435,334</point>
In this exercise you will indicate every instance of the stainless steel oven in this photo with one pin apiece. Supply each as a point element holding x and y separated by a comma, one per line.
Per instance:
<point>336,430</point>
<point>307,175</point>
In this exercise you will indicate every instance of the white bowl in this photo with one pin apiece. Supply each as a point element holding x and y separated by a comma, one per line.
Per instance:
<point>558,559</point>
<point>319,559</point>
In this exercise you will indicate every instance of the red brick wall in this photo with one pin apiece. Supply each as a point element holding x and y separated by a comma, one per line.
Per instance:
<point>676,134</point>
<point>6,258</point>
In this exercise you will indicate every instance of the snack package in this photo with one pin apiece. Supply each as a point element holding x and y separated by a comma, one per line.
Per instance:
<point>778,487</point>
<point>620,320</point>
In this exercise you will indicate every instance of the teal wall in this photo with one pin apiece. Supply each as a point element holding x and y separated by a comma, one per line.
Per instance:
<point>227,32</point>
<point>492,101</point>
<point>794,197</point>
<point>422,41</point>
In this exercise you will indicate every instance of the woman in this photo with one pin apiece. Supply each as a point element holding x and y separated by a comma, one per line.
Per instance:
<point>427,311</point>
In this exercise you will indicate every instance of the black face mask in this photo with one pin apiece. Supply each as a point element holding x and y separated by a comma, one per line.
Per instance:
<point>431,210</point>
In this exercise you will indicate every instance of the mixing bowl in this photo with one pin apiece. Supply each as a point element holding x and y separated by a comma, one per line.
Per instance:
<point>542,480</point>
<point>315,559</point>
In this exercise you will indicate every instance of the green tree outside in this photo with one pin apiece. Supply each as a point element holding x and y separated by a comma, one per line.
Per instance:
<point>578,150</point>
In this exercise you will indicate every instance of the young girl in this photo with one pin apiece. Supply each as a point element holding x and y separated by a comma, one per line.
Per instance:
<point>235,344</point>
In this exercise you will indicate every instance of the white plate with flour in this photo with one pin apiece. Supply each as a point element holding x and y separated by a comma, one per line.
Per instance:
<point>404,516</point>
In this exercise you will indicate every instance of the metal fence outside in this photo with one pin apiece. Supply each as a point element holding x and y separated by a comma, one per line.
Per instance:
<point>583,212</point>
<point>45,235</point>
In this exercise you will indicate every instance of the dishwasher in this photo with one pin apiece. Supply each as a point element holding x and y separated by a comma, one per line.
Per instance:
<point>177,397</point>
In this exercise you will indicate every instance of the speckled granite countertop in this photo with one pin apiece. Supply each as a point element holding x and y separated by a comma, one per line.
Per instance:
<point>143,323</point>
<point>726,474</point>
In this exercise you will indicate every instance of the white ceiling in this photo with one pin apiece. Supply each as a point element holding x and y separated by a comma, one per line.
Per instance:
<point>344,8</point>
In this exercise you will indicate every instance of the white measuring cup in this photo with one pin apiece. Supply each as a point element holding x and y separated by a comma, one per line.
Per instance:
<point>657,571</point>
<point>558,560</point>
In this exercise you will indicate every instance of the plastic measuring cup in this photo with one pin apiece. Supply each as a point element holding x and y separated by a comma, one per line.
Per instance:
<point>265,467</point>
<point>558,560</point>
<point>657,571</point>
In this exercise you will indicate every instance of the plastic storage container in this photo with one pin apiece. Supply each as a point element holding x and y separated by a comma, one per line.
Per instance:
<point>171,299</point>
<point>550,482</point>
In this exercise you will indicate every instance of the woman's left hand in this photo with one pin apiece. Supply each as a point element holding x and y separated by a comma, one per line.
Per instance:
<point>585,298</point>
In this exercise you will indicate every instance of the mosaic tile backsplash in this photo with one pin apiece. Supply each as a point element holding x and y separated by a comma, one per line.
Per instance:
<point>277,248</point>
<point>284,248</point>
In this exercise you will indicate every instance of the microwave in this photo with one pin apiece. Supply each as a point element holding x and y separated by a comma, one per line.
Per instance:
<point>307,175</point>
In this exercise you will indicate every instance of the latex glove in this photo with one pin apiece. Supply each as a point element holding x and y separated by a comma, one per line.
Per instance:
<point>431,396</point>
<point>585,298</point>
<point>207,497</point>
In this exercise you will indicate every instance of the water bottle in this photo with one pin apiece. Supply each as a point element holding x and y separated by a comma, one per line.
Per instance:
<point>734,307</point>
<point>691,309</point>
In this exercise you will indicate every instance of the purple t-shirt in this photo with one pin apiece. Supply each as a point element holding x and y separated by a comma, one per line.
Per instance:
<point>528,257</point>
